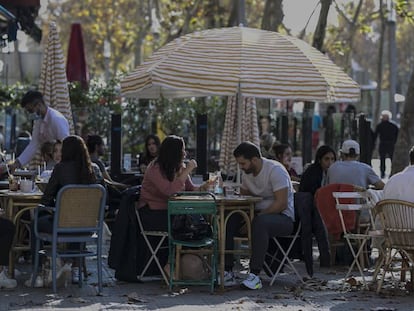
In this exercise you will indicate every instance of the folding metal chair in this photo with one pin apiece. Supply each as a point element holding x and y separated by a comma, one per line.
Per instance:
<point>357,203</point>
<point>160,244</point>
<point>275,258</point>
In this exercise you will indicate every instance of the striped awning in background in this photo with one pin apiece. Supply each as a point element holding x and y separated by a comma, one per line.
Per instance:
<point>244,121</point>
<point>53,82</point>
<point>251,62</point>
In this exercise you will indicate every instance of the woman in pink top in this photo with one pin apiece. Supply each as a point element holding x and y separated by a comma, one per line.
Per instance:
<point>164,176</point>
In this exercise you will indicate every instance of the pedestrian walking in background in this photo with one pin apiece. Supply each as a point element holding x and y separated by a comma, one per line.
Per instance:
<point>387,131</point>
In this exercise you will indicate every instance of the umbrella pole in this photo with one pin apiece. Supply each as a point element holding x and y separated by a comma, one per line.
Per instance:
<point>239,116</point>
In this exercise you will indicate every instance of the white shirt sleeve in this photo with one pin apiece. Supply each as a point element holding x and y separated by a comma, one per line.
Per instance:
<point>31,149</point>
<point>57,128</point>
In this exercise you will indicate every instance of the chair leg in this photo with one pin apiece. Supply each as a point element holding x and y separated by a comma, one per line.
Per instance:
<point>54,254</point>
<point>172,264</point>
<point>99,265</point>
<point>80,265</point>
<point>36,261</point>
<point>285,259</point>
<point>387,262</point>
<point>177,262</point>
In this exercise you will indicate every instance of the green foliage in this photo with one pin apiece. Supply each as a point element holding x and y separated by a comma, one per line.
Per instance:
<point>11,95</point>
<point>404,10</point>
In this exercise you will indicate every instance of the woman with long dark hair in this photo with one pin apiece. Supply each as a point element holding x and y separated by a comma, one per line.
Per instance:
<point>152,146</point>
<point>165,175</point>
<point>312,179</point>
<point>315,175</point>
<point>74,168</point>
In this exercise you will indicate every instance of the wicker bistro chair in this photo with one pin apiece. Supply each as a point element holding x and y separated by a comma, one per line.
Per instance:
<point>78,218</point>
<point>397,218</point>
<point>202,203</point>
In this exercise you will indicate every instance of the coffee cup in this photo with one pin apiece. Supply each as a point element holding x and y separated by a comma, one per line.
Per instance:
<point>229,191</point>
<point>26,185</point>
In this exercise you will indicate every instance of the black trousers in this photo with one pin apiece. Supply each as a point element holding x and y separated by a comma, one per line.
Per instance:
<point>385,150</point>
<point>6,239</point>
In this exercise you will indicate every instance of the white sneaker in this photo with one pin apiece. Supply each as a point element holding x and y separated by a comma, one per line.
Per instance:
<point>229,279</point>
<point>75,275</point>
<point>6,282</point>
<point>252,281</point>
<point>38,282</point>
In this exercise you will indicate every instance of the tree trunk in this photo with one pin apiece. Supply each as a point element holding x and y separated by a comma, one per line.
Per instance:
<point>352,31</point>
<point>377,105</point>
<point>234,14</point>
<point>320,30</point>
<point>272,15</point>
<point>308,112</point>
<point>406,134</point>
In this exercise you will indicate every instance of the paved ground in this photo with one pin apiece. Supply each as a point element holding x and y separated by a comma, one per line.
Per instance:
<point>323,292</point>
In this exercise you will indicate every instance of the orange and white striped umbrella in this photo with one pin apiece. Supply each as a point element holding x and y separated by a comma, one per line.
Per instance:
<point>240,60</point>
<point>53,81</point>
<point>240,125</point>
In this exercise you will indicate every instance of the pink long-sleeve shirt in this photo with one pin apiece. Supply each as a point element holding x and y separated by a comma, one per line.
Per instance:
<point>156,188</point>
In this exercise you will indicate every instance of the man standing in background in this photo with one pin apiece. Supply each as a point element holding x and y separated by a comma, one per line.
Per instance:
<point>387,131</point>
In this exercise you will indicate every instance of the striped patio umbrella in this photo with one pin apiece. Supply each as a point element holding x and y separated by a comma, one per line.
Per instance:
<point>240,60</point>
<point>242,115</point>
<point>53,82</point>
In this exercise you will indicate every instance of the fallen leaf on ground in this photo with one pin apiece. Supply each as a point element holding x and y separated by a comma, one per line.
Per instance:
<point>134,298</point>
<point>341,298</point>
<point>78,300</point>
<point>353,282</point>
<point>281,296</point>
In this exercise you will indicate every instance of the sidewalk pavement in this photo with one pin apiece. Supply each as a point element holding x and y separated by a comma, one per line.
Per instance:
<point>322,292</point>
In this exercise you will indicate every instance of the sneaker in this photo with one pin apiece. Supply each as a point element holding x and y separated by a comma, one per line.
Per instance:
<point>229,279</point>
<point>252,281</point>
<point>38,282</point>
<point>75,275</point>
<point>6,282</point>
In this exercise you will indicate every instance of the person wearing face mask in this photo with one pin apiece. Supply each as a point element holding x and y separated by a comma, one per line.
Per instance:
<point>48,125</point>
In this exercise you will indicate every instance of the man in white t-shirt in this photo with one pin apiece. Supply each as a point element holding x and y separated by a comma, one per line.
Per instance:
<point>275,213</point>
<point>400,186</point>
